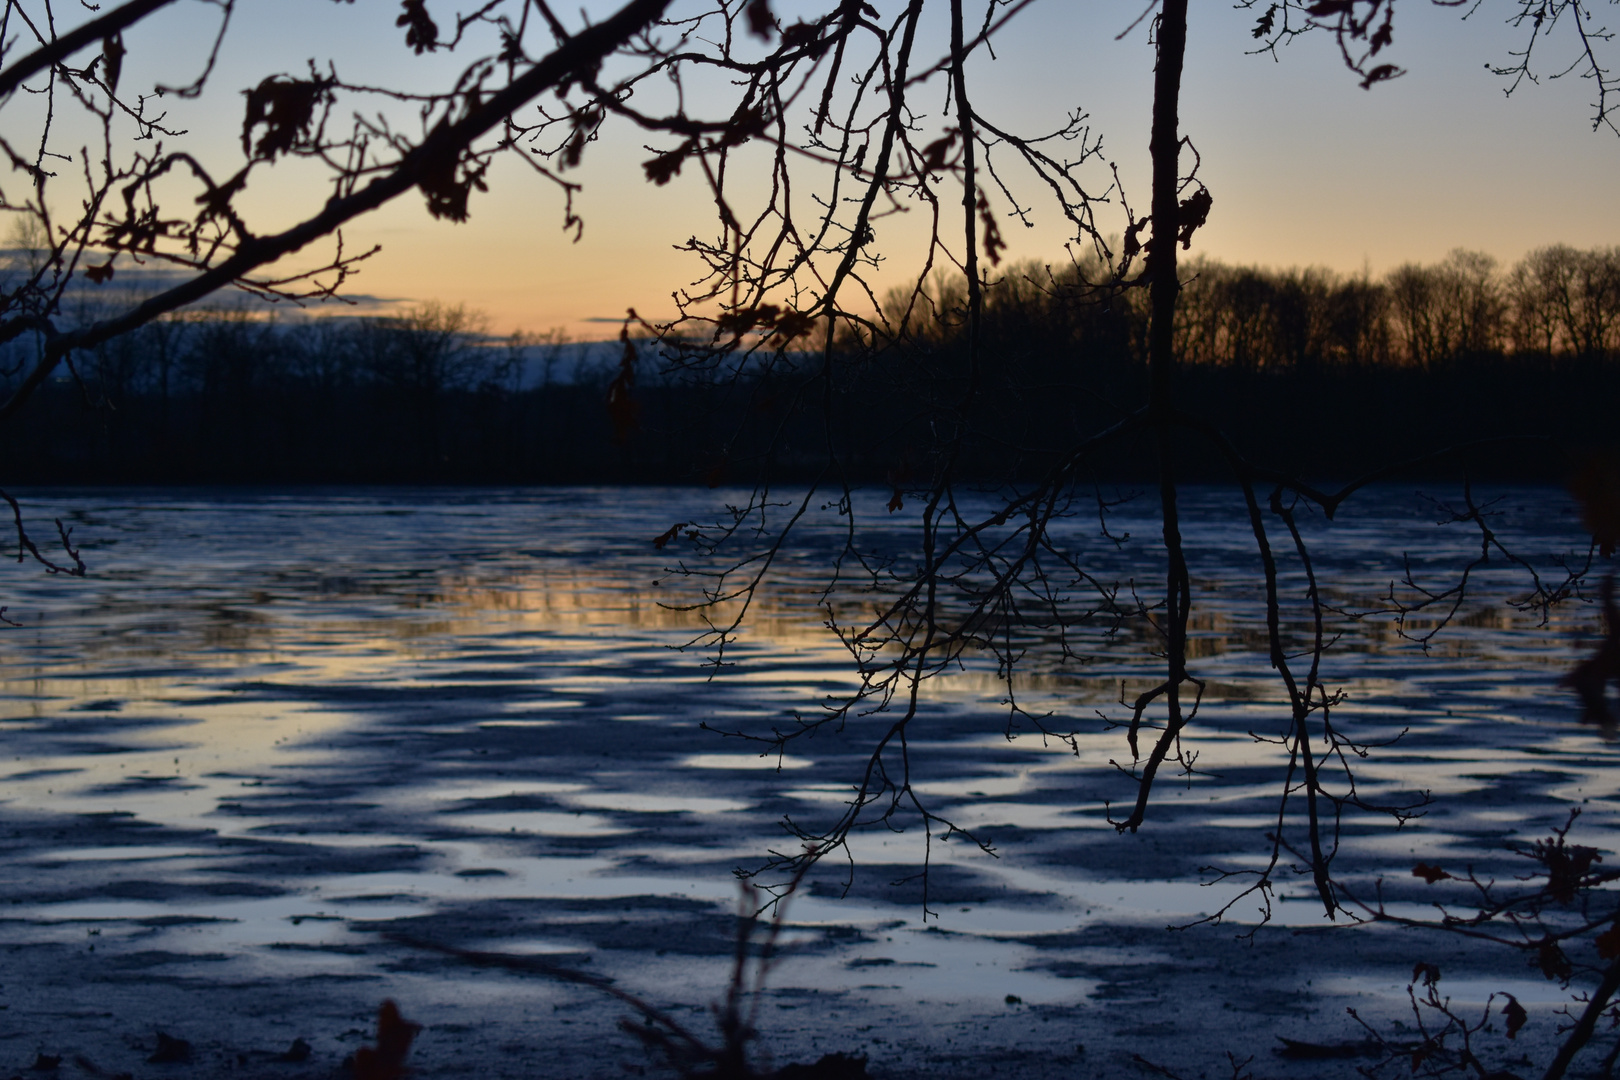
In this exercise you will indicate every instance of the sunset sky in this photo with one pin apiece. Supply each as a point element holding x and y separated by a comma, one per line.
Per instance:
<point>1305,167</point>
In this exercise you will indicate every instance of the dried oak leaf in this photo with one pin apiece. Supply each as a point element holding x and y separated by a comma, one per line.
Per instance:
<point>1192,215</point>
<point>112,60</point>
<point>217,200</point>
<point>583,123</point>
<point>100,274</point>
<point>746,123</point>
<point>1267,21</point>
<point>1566,865</point>
<point>1384,35</point>
<point>511,49</point>
<point>761,23</point>
<point>666,166</point>
<point>1422,1054</point>
<point>448,182</point>
<point>994,245</point>
<point>800,34</point>
<point>1515,1016</point>
<point>1381,73</point>
<point>386,1060</point>
<point>1552,961</point>
<point>791,326</point>
<point>1429,873</point>
<point>739,322</point>
<point>661,541</point>
<point>421,32</point>
<point>1133,234</point>
<point>286,108</point>
<point>933,155</point>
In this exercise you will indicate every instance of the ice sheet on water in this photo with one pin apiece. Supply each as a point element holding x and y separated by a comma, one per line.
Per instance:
<point>443,709</point>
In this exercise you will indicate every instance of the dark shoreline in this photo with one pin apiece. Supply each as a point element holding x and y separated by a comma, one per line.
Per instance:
<point>1326,426</point>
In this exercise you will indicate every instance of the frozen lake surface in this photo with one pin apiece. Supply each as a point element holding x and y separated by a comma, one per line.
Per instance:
<point>270,729</point>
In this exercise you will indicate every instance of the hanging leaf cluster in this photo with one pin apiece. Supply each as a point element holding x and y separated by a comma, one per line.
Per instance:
<point>761,23</point>
<point>994,244</point>
<point>1566,865</point>
<point>1192,215</point>
<point>421,32</point>
<point>286,108</point>
<point>448,180</point>
<point>780,327</point>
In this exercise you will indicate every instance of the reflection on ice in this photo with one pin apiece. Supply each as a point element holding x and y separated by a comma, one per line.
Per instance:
<point>277,746</point>
<point>747,762</point>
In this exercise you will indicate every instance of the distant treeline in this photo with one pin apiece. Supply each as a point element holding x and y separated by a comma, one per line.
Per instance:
<point>1558,303</point>
<point>1309,370</point>
<point>1312,371</point>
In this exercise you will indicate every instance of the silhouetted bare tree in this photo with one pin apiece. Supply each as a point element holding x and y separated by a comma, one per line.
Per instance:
<point>824,118</point>
<point>1002,585</point>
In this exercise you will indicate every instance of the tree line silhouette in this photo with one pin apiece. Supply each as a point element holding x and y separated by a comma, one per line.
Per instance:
<point>1556,305</point>
<point>1306,362</point>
